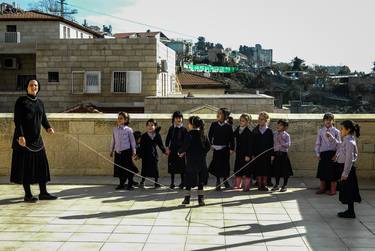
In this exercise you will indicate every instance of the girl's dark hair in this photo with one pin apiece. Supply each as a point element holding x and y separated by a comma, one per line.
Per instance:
<point>197,122</point>
<point>328,116</point>
<point>225,112</point>
<point>352,127</point>
<point>177,114</point>
<point>137,135</point>
<point>157,128</point>
<point>126,117</point>
<point>283,122</point>
<point>230,120</point>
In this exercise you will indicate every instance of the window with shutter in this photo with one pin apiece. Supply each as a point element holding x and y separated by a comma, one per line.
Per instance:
<point>127,82</point>
<point>92,82</point>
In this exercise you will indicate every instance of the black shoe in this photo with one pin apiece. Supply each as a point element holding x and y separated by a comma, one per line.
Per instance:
<point>264,188</point>
<point>218,187</point>
<point>47,196</point>
<point>201,201</point>
<point>181,186</point>
<point>157,185</point>
<point>270,184</point>
<point>172,186</point>
<point>135,183</point>
<point>120,187</point>
<point>29,199</point>
<point>226,184</point>
<point>283,189</point>
<point>346,214</point>
<point>130,188</point>
<point>275,188</point>
<point>186,200</point>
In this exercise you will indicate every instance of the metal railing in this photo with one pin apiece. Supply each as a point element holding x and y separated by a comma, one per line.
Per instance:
<point>10,37</point>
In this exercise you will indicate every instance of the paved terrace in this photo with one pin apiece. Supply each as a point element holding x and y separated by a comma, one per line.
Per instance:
<point>96,217</point>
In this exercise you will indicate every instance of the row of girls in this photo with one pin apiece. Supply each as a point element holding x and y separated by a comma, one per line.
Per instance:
<point>260,153</point>
<point>182,145</point>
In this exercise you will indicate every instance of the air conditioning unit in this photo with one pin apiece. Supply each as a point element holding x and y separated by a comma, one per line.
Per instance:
<point>10,63</point>
<point>164,66</point>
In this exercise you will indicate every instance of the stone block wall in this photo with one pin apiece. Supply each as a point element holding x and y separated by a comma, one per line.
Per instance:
<point>69,157</point>
<point>235,103</point>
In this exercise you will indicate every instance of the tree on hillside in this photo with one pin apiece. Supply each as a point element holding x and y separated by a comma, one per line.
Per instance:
<point>373,67</point>
<point>298,64</point>
<point>344,70</point>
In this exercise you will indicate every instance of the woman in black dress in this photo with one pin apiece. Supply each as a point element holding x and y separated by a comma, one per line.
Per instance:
<point>175,139</point>
<point>150,140</point>
<point>195,149</point>
<point>29,159</point>
<point>222,141</point>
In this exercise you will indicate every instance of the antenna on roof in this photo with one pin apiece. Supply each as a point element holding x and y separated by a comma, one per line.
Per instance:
<point>62,11</point>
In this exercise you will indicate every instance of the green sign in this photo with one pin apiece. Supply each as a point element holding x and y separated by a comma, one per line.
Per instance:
<point>210,68</point>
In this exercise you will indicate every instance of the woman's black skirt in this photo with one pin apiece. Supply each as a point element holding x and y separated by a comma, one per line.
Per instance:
<point>327,170</point>
<point>349,190</point>
<point>281,166</point>
<point>220,164</point>
<point>124,159</point>
<point>29,167</point>
<point>176,164</point>
<point>241,166</point>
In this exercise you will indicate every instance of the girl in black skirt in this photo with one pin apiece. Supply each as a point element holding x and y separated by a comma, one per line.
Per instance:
<point>325,150</point>
<point>243,139</point>
<point>262,150</point>
<point>347,155</point>
<point>222,140</point>
<point>150,140</point>
<point>175,138</point>
<point>281,166</point>
<point>29,159</point>
<point>195,149</point>
<point>124,148</point>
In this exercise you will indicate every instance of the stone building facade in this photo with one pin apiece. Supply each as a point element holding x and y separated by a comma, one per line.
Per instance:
<point>73,69</point>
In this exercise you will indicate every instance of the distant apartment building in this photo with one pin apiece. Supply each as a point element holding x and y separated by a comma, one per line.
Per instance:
<point>258,56</point>
<point>76,65</point>
<point>217,55</point>
<point>183,49</point>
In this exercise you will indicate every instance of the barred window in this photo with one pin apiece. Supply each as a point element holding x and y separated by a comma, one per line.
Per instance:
<point>127,82</point>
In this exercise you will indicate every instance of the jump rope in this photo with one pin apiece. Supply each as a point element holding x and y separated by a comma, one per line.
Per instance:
<point>189,214</point>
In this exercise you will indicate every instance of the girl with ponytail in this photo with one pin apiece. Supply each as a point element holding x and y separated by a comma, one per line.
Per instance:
<point>195,150</point>
<point>347,155</point>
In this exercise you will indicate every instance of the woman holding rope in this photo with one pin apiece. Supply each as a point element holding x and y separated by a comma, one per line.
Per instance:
<point>29,159</point>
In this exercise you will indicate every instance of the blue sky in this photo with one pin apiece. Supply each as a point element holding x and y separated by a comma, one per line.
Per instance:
<point>326,32</point>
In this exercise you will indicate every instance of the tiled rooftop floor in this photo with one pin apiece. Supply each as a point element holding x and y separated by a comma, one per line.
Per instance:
<point>96,217</point>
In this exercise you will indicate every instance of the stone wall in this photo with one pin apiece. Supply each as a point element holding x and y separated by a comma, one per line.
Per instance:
<point>251,103</point>
<point>68,157</point>
<point>26,66</point>
<point>34,31</point>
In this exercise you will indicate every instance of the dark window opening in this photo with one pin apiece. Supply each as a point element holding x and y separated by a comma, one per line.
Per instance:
<point>53,77</point>
<point>11,28</point>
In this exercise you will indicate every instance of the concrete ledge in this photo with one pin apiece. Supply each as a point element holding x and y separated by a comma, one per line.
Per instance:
<point>68,157</point>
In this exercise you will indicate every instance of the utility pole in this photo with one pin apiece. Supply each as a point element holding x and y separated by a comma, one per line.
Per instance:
<point>62,2</point>
<point>62,11</point>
